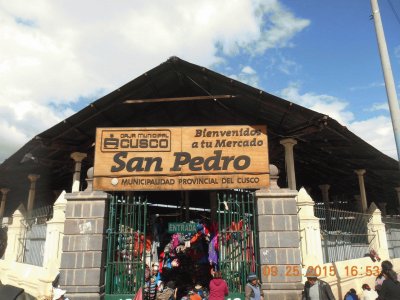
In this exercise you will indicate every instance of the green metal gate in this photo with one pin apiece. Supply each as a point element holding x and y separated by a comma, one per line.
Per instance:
<point>126,249</point>
<point>238,242</point>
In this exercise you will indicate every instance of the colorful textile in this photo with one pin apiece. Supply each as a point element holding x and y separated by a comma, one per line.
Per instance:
<point>212,253</point>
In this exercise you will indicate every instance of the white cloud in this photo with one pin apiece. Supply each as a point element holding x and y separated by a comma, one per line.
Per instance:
<point>378,106</point>
<point>54,52</point>
<point>247,75</point>
<point>376,131</point>
<point>397,52</point>
<point>326,104</point>
<point>287,66</point>
<point>368,86</point>
<point>248,70</point>
<point>280,26</point>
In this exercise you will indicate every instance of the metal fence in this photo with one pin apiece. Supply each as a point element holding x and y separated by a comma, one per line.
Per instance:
<point>126,246</point>
<point>344,234</point>
<point>35,235</point>
<point>392,225</point>
<point>238,241</point>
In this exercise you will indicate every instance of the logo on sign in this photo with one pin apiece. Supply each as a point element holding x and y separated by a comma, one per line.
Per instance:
<point>136,140</point>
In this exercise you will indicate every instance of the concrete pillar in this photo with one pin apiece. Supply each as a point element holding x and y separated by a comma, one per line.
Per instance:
<point>55,231</point>
<point>360,174</point>
<point>89,180</point>
<point>15,233</point>
<point>279,241</point>
<point>289,161</point>
<point>84,245</point>
<point>325,193</point>
<point>53,244</point>
<point>4,193</point>
<point>32,191</point>
<point>310,235</point>
<point>76,181</point>
<point>377,232</point>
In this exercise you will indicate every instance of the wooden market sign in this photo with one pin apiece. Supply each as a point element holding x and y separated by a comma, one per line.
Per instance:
<point>181,158</point>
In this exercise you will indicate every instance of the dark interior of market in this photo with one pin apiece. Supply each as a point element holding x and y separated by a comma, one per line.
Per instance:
<point>187,258</point>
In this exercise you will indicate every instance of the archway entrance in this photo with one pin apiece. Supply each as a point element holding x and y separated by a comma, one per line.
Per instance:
<point>158,237</point>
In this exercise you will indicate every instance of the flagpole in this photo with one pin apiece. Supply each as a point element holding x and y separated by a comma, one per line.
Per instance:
<point>387,74</point>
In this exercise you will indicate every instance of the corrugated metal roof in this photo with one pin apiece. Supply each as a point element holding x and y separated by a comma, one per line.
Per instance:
<point>326,153</point>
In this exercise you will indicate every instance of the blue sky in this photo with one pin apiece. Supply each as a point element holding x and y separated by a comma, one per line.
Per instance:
<point>58,56</point>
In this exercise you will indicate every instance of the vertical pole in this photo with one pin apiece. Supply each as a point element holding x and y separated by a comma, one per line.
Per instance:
<point>387,74</point>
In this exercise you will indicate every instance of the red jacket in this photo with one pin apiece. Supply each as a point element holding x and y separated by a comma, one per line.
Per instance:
<point>218,289</point>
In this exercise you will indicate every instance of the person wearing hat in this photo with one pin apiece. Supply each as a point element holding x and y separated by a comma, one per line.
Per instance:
<point>316,289</point>
<point>368,293</point>
<point>59,294</point>
<point>253,289</point>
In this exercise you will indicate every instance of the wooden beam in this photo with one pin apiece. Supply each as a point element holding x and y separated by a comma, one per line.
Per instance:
<point>176,99</point>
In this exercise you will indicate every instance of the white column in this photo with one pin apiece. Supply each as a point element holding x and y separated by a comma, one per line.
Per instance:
<point>54,235</point>
<point>310,235</point>
<point>15,233</point>
<point>377,233</point>
<point>289,161</point>
<point>32,191</point>
<point>325,193</point>
<point>89,180</point>
<point>76,181</point>
<point>360,174</point>
<point>4,192</point>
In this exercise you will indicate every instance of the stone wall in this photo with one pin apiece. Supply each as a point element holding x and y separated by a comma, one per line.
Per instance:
<point>279,244</point>
<point>84,245</point>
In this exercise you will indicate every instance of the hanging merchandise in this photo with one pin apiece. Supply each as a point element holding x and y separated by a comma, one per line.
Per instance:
<point>213,253</point>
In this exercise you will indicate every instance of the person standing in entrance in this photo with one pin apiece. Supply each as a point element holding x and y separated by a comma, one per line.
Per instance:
<point>218,287</point>
<point>316,289</point>
<point>253,289</point>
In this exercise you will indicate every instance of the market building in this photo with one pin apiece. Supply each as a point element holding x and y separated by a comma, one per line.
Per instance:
<point>191,171</point>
